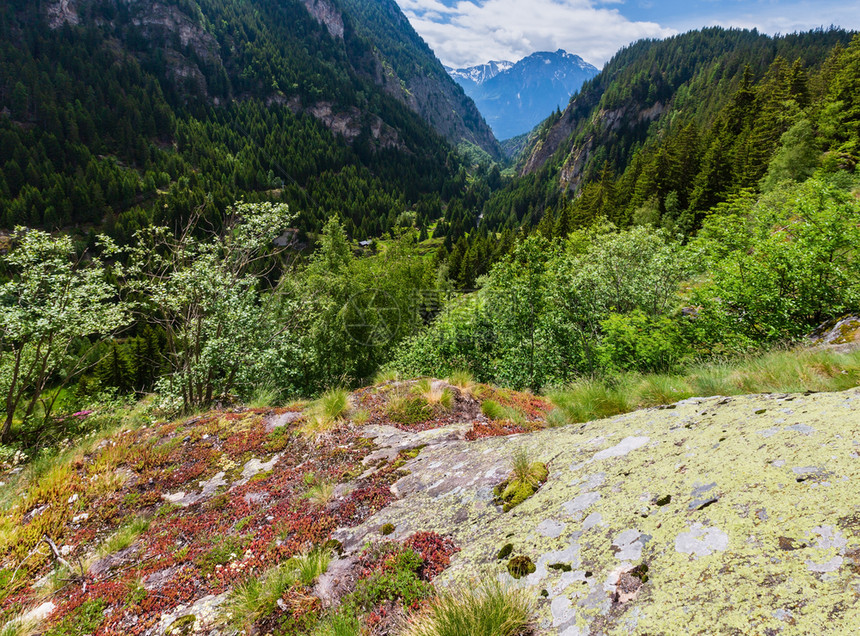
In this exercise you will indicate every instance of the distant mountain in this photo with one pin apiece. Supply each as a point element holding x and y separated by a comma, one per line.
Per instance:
<point>474,76</point>
<point>514,98</point>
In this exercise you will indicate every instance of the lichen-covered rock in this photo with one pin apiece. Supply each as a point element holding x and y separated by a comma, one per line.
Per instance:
<point>718,516</point>
<point>842,334</point>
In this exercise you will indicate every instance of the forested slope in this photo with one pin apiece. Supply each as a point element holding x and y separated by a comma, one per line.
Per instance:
<point>117,113</point>
<point>671,128</point>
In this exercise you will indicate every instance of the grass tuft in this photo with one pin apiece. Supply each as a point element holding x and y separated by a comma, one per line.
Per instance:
<point>463,380</point>
<point>434,394</point>
<point>257,597</point>
<point>321,493</point>
<point>265,396</point>
<point>384,376</point>
<point>124,537</point>
<point>330,409</point>
<point>308,567</point>
<point>343,623</point>
<point>490,610</point>
<point>499,412</point>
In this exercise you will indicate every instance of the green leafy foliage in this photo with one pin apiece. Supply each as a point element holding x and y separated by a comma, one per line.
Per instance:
<point>537,319</point>
<point>52,302</point>
<point>397,581</point>
<point>779,265</point>
<point>84,620</point>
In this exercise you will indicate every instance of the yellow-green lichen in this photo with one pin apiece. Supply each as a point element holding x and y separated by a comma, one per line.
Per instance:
<point>631,490</point>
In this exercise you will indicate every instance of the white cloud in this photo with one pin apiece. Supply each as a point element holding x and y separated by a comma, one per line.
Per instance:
<point>476,31</point>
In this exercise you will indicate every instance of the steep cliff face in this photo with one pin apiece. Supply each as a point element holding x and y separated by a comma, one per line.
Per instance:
<point>412,74</point>
<point>328,14</point>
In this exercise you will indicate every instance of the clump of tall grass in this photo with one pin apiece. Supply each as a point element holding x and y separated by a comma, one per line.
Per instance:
<point>124,536</point>
<point>384,376</point>
<point>257,597</point>
<point>309,566</point>
<point>499,412</point>
<point>330,409</point>
<point>342,623</point>
<point>433,393</point>
<point>492,609</point>
<point>464,381</point>
<point>321,492</point>
<point>265,396</point>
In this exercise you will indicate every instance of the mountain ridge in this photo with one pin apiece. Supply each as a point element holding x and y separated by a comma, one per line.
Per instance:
<point>516,97</point>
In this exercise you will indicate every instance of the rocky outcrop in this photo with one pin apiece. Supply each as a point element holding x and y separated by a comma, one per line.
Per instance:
<point>709,516</point>
<point>60,12</point>
<point>577,156</point>
<point>842,334</point>
<point>326,13</point>
<point>712,516</point>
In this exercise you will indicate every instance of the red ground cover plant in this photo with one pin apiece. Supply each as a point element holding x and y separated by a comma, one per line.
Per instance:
<point>495,429</point>
<point>225,535</point>
<point>435,550</point>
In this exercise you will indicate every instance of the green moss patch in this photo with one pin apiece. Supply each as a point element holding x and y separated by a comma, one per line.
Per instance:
<point>513,491</point>
<point>520,566</point>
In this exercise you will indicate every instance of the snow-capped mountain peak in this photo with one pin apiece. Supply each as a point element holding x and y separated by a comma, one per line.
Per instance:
<point>515,97</point>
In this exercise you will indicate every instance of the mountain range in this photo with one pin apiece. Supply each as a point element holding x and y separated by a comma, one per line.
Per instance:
<point>516,97</point>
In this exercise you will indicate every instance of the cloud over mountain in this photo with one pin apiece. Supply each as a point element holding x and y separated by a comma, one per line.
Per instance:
<point>469,32</point>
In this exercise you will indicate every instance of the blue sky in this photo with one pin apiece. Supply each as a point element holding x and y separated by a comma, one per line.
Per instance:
<point>467,32</point>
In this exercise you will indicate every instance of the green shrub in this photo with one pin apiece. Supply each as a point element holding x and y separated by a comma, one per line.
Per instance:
<point>398,581</point>
<point>638,342</point>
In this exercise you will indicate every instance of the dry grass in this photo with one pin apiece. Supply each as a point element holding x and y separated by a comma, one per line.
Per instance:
<point>433,393</point>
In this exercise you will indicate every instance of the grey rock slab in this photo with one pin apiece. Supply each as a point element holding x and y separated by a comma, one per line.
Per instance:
<point>284,419</point>
<point>629,545</point>
<point>801,428</point>
<point>206,612</point>
<point>701,541</point>
<point>562,611</point>
<point>626,446</point>
<point>581,503</point>
<point>254,467</point>
<point>593,520</point>
<point>550,528</point>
